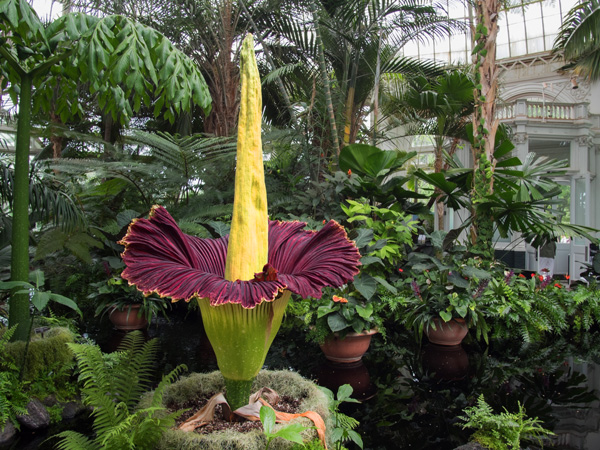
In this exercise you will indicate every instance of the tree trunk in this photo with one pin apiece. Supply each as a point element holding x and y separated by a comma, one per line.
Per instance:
<point>19,314</point>
<point>325,79</point>
<point>485,125</point>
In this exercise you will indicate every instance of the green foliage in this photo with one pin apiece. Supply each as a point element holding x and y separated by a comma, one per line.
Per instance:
<point>13,400</point>
<point>45,354</point>
<point>583,306</point>
<point>502,431</point>
<point>291,432</point>
<point>381,235</point>
<point>442,282</point>
<point>39,298</point>
<point>116,292</point>
<point>527,307</point>
<point>113,390</point>
<point>343,429</point>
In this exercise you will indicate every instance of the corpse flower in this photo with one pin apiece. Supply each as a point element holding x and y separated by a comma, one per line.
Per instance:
<point>242,282</point>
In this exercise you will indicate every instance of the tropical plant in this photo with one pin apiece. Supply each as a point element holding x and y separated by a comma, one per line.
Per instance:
<point>381,235</point>
<point>113,390</point>
<point>115,293</point>
<point>442,282</point>
<point>291,432</point>
<point>528,307</point>
<point>522,198</point>
<point>343,428</point>
<point>124,64</point>
<point>243,282</point>
<point>582,304</point>
<point>438,107</point>
<point>579,39</point>
<point>376,177</point>
<point>340,315</point>
<point>353,46</point>
<point>13,399</point>
<point>502,431</point>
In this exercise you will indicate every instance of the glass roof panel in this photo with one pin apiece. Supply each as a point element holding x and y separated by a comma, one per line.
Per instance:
<point>527,27</point>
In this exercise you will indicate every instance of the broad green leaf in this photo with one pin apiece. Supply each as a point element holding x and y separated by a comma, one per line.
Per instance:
<point>336,322</point>
<point>36,277</point>
<point>344,392</point>
<point>365,285</point>
<point>355,437</point>
<point>446,316</point>
<point>365,312</point>
<point>6,285</point>
<point>462,310</point>
<point>267,417</point>
<point>124,218</point>
<point>40,299</point>
<point>291,432</point>
<point>65,301</point>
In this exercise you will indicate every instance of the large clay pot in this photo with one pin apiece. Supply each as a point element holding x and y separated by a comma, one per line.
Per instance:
<point>128,318</point>
<point>447,333</point>
<point>349,349</point>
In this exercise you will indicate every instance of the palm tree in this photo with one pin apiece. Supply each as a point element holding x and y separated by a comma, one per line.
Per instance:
<point>360,42</point>
<point>439,107</point>
<point>579,39</point>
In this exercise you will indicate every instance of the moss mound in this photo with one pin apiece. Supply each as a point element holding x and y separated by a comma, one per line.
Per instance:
<point>283,382</point>
<point>45,353</point>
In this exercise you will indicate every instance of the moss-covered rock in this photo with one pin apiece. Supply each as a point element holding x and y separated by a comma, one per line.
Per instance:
<point>44,353</point>
<point>285,383</point>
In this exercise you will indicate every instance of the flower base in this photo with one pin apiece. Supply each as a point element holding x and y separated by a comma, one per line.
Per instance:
<point>206,384</point>
<point>350,349</point>
<point>447,333</point>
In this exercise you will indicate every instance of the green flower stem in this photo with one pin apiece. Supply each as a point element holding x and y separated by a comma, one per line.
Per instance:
<point>19,303</point>
<point>241,339</point>
<point>238,392</point>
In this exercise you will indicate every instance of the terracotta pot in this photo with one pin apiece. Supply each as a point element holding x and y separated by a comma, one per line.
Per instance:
<point>349,349</point>
<point>447,333</point>
<point>129,318</point>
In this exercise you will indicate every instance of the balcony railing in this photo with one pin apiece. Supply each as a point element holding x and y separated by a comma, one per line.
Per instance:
<point>523,109</point>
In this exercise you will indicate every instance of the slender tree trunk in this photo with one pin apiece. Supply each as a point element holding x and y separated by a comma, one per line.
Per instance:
<point>485,125</point>
<point>376,93</point>
<point>325,79</point>
<point>19,270</point>
<point>348,122</point>
<point>57,141</point>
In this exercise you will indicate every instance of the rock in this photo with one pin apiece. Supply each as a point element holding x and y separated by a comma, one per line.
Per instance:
<point>37,416</point>
<point>8,434</point>
<point>471,446</point>
<point>72,410</point>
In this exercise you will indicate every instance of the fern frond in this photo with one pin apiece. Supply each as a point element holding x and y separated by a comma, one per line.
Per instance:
<point>71,440</point>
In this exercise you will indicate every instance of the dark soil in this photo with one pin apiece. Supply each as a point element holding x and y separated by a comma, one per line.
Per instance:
<point>285,404</point>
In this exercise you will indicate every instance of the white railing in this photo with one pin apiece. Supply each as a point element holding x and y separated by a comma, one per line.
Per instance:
<point>558,111</point>
<point>541,110</point>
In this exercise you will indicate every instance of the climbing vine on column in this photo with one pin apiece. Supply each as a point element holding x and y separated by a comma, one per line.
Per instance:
<point>485,125</point>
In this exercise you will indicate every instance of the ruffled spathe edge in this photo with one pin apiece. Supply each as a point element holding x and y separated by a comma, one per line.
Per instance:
<point>161,259</point>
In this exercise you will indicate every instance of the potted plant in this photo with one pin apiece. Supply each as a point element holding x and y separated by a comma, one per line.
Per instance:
<point>127,307</point>
<point>440,290</point>
<point>347,317</point>
<point>343,326</point>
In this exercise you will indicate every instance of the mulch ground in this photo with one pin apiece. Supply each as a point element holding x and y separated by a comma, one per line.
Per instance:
<point>285,404</point>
